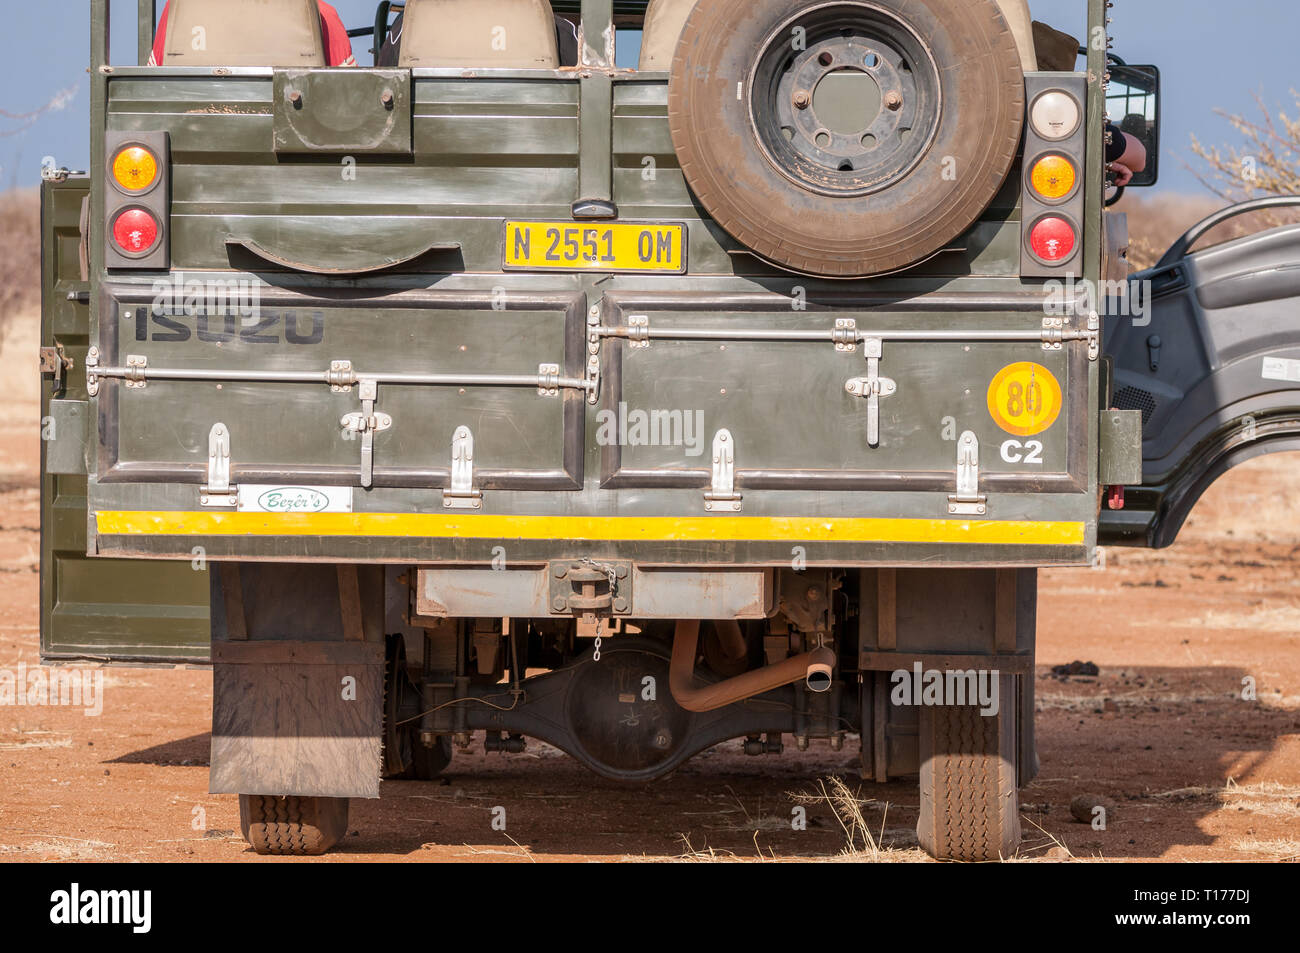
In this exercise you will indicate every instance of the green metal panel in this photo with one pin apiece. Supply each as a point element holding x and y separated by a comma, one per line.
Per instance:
<point>325,111</point>
<point>1121,447</point>
<point>94,608</point>
<point>403,262</point>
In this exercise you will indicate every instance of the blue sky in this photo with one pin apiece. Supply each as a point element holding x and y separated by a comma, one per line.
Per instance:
<point>1212,55</point>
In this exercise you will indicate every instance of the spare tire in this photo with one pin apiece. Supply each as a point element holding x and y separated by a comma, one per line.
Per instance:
<point>846,138</point>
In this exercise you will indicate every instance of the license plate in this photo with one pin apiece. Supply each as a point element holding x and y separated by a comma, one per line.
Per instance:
<point>613,246</point>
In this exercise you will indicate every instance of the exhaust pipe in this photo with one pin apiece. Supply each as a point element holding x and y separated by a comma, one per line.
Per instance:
<point>813,667</point>
<point>818,678</point>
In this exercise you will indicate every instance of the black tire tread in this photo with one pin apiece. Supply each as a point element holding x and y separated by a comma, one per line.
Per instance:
<point>292,825</point>
<point>969,802</point>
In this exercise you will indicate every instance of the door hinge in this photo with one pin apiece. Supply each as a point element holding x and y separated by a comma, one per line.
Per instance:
<point>218,491</point>
<point>592,375</point>
<point>968,501</point>
<point>722,496</point>
<point>56,363</point>
<point>92,366</point>
<point>872,387</point>
<point>366,424</point>
<point>461,495</point>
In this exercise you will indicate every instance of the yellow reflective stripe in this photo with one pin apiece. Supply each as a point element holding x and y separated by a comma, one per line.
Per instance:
<point>654,528</point>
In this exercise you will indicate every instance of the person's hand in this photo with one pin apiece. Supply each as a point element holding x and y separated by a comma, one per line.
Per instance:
<point>1123,174</point>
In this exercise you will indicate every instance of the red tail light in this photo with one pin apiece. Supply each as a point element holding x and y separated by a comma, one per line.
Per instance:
<point>1054,189</point>
<point>135,231</point>
<point>1052,239</point>
<point>137,202</point>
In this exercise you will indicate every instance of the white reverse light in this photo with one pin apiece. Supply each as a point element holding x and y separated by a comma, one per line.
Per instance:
<point>1055,115</point>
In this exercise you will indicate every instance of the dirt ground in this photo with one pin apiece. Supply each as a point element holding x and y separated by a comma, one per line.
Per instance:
<point>1196,773</point>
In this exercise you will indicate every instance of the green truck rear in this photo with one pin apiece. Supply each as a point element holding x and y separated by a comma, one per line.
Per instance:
<point>414,379</point>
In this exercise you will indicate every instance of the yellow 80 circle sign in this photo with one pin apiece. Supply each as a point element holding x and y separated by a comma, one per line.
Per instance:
<point>1025,399</point>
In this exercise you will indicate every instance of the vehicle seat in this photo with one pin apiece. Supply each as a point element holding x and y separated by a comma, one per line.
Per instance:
<point>664,20</point>
<point>479,34</point>
<point>1016,13</point>
<point>287,33</point>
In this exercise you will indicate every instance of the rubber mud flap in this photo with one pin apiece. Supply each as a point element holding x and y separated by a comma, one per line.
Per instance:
<point>846,139</point>
<point>970,807</point>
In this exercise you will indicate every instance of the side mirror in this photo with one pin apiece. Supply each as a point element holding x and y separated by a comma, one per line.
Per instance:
<point>1133,104</point>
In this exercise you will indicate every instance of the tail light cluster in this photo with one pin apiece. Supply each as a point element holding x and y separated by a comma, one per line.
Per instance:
<point>1053,194</point>
<point>137,204</point>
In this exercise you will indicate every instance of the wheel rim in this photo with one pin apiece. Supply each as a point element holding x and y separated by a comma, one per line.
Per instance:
<point>844,99</point>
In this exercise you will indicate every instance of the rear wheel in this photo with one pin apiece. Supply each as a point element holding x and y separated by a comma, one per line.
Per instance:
<point>428,763</point>
<point>293,825</point>
<point>405,756</point>
<point>969,804</point>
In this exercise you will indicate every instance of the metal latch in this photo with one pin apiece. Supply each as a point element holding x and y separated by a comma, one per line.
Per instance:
<point>218,491</point>
<point>366,424</point>
<point>968,501</point>
<point>461,495</point>
<point>56,363</point>
<point>872,387</point>
<point>49,173</point>
<point>722,496</point>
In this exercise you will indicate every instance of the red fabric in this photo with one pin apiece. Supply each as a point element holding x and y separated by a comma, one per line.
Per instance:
<point>338,45</point>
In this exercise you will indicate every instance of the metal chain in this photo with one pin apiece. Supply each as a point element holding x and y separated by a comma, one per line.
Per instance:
<point>609,571</point>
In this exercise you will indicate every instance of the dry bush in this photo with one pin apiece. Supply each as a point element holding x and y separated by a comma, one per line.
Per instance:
<point>1155,222</point>
<point>20,266</point>
<point>1266,162</point>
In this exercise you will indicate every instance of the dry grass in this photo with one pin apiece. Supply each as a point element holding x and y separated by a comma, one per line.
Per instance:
<point>1269,798</point>
<point>861,842</point>
<point>20,266</point>
<point>1282,849</point>
<point>1052,847</point>
<point>704,855</point>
